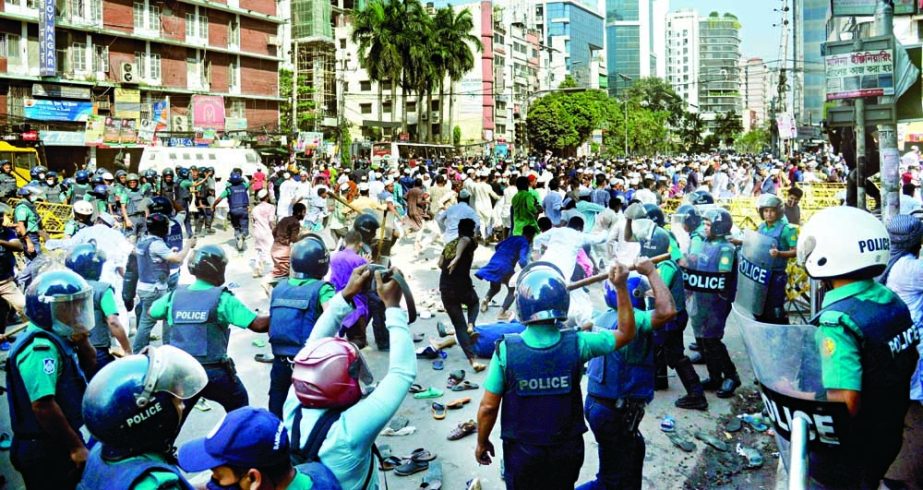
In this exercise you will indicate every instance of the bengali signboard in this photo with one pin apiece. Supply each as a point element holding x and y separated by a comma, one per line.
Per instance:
<point>146,133</point>
<point>60,91</point>
<point>56,110</point>
<point>127,103</point>
<point>859,8</point>
<point>47,52</point>
<point>62,138</point>
<point>235,123</point>
<point>208,112</point>
<point>120,131</point>
<point>859,74</point>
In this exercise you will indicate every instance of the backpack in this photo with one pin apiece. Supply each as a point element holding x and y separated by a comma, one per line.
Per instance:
<point>306,459</point>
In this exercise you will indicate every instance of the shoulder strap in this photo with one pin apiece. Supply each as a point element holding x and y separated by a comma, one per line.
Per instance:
<point>318,433</point>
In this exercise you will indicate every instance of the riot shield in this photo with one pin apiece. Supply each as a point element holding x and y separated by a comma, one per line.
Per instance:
<point>680,233</point>
<point>754,269</point>
<point>701,271</point>
<point>787,365</point>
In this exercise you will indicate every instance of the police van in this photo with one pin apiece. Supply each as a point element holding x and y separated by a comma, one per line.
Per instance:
<point>222,159</point>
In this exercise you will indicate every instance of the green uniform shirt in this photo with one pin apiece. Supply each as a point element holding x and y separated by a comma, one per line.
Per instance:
<point>24,214</point>
<point>39,364</point>
<point>675,252</point>
<point>107,303</point>
<point>230,310</point>
<point>589,344</point>
<point>326,291</point>
<point>153,479</point>
<point>301,482</point>
<point>789,236</point>
<point>837,336</point>
<point>227,189</point>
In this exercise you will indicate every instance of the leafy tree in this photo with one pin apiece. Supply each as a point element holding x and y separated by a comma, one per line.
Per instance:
<point>305,113</point>
<point>753,141</point>
<point>453,31</point>
<point>691,130</point>
<point>550,126</point>
<point>659,95</point>
<point>379,53</point>
<point>456,135</point>
<point>727,127</point>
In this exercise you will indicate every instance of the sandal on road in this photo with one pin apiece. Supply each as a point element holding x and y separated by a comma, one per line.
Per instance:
<point>459,403</point>
<point>463,429</point>
<point>753,457</point>
<point>421,454</point>
<point>712,441</point>
<point>262,357</point>
<point>681,441</point>
<point>429,393</point>
<point>415,388</point>
<point>733,425</point>
<point>438,411</point>
<point>410,467</point>
<point>465,385</point>
<point>438,365</point>
<point>390,463</point>
<point>457,375</point>
<point>432,480</point>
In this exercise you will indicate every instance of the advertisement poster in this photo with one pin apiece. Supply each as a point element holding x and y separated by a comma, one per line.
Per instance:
<point>208,112</point>
<point>859,8</point>
<point>96,126</point>
<point>120,131</point>
<point>57,110</point>
<point>147,130</point>
<point>160,113</point>
<point>859,74</point>
<point>47,52</point>
<point>127,103</point>
<point>235,123</point>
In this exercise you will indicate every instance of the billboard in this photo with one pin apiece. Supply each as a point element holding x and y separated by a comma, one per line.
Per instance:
<point>208,112</point>
<point>860,8</point>
<point>859,74</point>
<point>47,51</point>
<point>127,103</point>
<point>56,110</point>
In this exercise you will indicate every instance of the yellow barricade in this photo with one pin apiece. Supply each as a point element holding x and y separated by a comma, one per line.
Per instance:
<point>53,216</point>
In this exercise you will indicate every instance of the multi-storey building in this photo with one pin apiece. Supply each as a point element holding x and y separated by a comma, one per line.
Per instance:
<point>719,54</point>
<point>142,60</point>
<point>632,48</point>
<point>574,34</point>
<point>754,84</point>
<point>682,49</point>
<point>811,18</point>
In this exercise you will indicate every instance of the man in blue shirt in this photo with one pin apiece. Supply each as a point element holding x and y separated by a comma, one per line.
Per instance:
<point>10,294</point>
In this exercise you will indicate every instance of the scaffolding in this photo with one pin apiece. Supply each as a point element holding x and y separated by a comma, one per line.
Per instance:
<point>314,54</point>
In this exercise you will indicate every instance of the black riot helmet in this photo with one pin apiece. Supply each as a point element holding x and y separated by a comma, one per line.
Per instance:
<point>310,258</point>
<point>208,263</point>
<point>366,224</point>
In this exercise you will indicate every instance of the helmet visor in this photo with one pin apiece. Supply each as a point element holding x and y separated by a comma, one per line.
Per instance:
<point>172,371</point>
<point>72,312</point>
<point>642,229</point>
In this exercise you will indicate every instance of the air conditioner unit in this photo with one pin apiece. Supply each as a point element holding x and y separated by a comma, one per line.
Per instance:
<point>435,118</point>
<point>129,72</point>
<point>273,41</point>
<point>424,116</point>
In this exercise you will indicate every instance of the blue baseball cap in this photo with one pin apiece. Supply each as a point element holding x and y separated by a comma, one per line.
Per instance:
<point>246,438</point>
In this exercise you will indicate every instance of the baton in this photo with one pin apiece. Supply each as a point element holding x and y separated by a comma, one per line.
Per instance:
<point>604,275</point>
<point>381,238</point>
<point>15,330</point>
<point>337,197</point>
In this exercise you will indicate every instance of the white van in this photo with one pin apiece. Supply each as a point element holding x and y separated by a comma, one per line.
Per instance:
<point>222,159</point>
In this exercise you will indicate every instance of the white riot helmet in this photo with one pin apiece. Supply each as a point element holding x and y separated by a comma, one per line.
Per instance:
<point>843,241</point>
<point>768,201</point>
<point>84,208</point>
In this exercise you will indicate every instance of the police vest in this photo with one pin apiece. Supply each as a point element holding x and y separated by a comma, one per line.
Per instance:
<point>174,241</point>
<point>80,190</point>
<point>778,263</point>
<point>113,195</point>
<point>135,199</point>
<point>887,350</point>
<point>182,193</point>
<point>100,474</point>
<point>238,198</point>
<point>7,185</point>
<point>53,193</point>
<point>68,391</point>
<point>148,271</point>
<point>168,191</point>
<point>99,335</point>
<point>626,373</point>
<point>704,274</point>
<point>677,289</point>
<point>195,327</point>
<point>293,311</point>
<point>542,403</point>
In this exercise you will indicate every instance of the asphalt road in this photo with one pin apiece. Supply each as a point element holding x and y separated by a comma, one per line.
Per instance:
<point>665,465</point>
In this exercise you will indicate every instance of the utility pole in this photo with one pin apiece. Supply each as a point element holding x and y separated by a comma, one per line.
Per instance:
<point>887,133</point>
<point>295,89</point>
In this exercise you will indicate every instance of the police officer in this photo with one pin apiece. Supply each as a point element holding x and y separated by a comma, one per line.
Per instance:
<point>199,315</point>
<point>785,237</point>
<point>210,187</point>
<point>83,217</point>
<point>238,196</point>
<point>689,217</point>
<point>54,192</point>
<point>175,237</point>
<point>151,260</point>
<point>7,180</point>
<point>134,410</point>
<point>99,197</point>
<point>710,304</point>
<point>536,377</point>
<point>28,223</point>
<point>167,184</point>
<point>198,198</point>
<point>294,307</point>
<point>867,343</point>
<point>86,260</point>
<point>10,294</point>
<point>134,206</point>
<point>183,193</point>
<point>621,384</point>
<point>80,188</point>
<point>116,196</point>
<point>46,382</point>
<point>37,173</point>
<point>149,185</point>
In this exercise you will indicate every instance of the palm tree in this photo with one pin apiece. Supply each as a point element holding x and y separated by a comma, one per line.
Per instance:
<point>453,32</point>
<point>378,49</point>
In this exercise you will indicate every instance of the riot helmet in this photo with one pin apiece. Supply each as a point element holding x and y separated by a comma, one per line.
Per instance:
<point>235,178</point>
<point>38,172</point>
<point>162,205</point>
<point>700,198</point>
<point>182,172</point>
<point>60,301</point>
<point>327,373</point>
<point>100,191</point>
<point>87,260</point>
<point>655,214</point>
<point>310,258</point>
<point>689,216</point>
<point>130,405</point>
<point>51,177</point>
<point>82,177</point>
<point>83,210</point>
<point>132,178</point>
<point>541,294</point>
<point>637,286</point>
<point>158,225</point>
<point>367,225</point>
<point>843,241</point>
<point>720,222</point>
<point>32,191</point>
<point>166,172</point>
<point>209,263</point>
<point>120,175</point>
<point>657,244</point>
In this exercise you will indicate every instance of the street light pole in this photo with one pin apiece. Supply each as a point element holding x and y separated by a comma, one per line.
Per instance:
<point>625,78</point>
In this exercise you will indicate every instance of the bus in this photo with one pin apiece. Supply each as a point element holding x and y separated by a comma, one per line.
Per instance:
<point>389,153</point>
<point>23,159</point>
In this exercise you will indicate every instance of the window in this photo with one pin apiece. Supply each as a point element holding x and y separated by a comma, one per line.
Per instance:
<point>203,27</point>
<point>499,39</point>
<point>190,26</point>
<point>435,106</point>
<point>386,107</point>
<point>9,47</point>
<point>139,16</point>
<point>197,28</point>
<point>101,59</point>
<point>238,108</point>
<point>411,107</point>
<point>386,85</point>
<point>234,76</point>
<point>154,66</point>
<point>234,32</point>
<point>79,57</point>
<point>147,17</point>
<point>343,43</point>
<point>365,85</point>
<point>365,108</point>
<point>148,65</point>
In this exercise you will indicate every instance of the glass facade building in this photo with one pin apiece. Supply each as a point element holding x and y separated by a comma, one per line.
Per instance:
<point>582,30</point>
<point>629,42</point>
<point>719,71</point>
<point>813,20</point>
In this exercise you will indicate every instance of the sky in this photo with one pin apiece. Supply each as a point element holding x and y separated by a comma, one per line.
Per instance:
<point>758,37</point>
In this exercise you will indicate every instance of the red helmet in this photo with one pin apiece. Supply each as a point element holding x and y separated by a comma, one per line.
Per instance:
<point>327,374</point>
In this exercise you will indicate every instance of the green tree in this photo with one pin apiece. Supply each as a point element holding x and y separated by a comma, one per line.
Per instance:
<point>727,127</point>
<point>659,95</point>
<point>306,113</point>
<point>456,135</point>
<point>691,130</point>
<point>753,141</point>
<point>550,125</point>
<point>453,32</point>
<point>378,48</point>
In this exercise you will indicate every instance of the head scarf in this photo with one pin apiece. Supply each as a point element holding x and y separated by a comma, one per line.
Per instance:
<point>905,232</point>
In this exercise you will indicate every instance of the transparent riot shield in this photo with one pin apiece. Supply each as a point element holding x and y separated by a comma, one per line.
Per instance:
<point>754,269</point>
<point>680,233</point>
<point>786,362</point>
